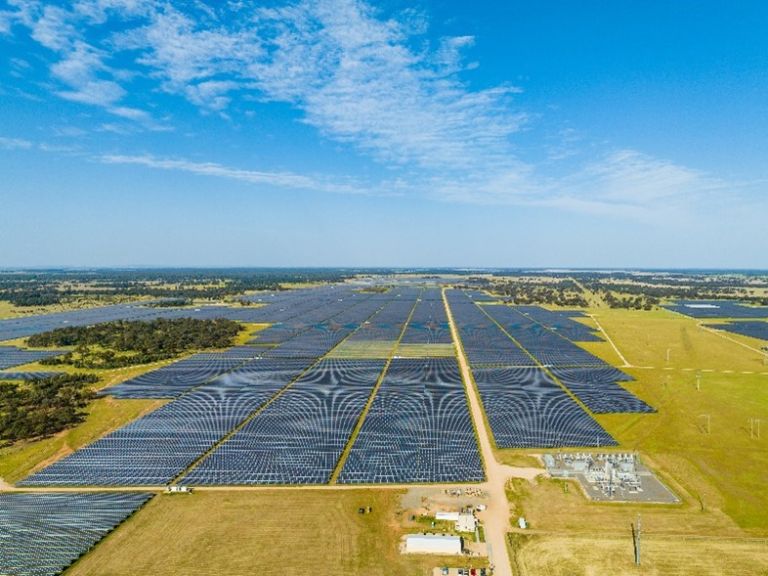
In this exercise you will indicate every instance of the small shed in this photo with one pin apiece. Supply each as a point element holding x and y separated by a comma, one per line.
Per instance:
<point>433,544</point>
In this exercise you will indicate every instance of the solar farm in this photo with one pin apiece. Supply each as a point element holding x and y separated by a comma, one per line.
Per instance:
<point>345,387</point>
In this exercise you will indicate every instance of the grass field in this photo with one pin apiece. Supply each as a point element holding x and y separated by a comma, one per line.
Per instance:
<point>364,349</point>
<point>426,350</point>
<point>699,443</point>
<point>296,533</point>
<point>565,555</point>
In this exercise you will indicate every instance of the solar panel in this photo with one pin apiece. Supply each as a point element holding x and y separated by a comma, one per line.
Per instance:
<point>11,356</point>
<point>597,388</point>
<point>299,437</point>
<point>418,428</point>
<point>527,409</point>
<point>43,533</point>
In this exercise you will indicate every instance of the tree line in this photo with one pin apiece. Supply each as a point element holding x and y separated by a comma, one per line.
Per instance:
<point>129,342</point>
<point>43,406</point>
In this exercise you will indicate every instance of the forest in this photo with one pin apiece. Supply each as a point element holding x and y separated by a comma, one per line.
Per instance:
<point>126,343</point>
<point>43,406</point>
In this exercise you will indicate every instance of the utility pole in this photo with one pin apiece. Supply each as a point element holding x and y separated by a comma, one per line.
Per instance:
<point>698,382</point>
<point>709,422</point>
<point>669,351</point>
<point>754,428</point>
<point>636,531</point>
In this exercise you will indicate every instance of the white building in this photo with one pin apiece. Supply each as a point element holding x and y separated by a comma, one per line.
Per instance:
<point>466,523</point>
<point>433,544</point>
<point>463,521</point>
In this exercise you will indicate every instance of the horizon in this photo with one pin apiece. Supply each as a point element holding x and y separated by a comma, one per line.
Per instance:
<point>469,269</point>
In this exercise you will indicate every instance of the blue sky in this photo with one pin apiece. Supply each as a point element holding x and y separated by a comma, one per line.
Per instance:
<point>340,132</point>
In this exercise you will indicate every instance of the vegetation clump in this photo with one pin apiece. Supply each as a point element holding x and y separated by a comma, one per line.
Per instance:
<point>127,343</point>
<point>43,406</point>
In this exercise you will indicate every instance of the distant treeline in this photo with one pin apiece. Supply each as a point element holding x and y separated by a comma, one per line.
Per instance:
<point>559,293</point>
<point>44,406</point>
<point>126,343</point>
<point>58,286</point>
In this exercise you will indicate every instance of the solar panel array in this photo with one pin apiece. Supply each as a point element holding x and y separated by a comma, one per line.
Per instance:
<point>319,338</point>
<point>418,428</point>
<point>11,356</point>
<point>548,347</point>
<point>597,389</point>
<point>276,307</point>
<point>595,384</point>
<point>717,309</point>
<point>43,533</point>
<point>27,375</point>
<point>387,324</point>
<point>527,409</point>
<point>753,329</point>
<point>175,379</point>
<point>483,341</point>
<point>298,438</point>
<point>561,322</point>
<point>159,446</point>
<point>429,323</point>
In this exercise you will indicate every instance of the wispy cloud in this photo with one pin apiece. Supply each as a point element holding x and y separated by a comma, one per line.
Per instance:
<point>273,179</point>
<point>14,143</point>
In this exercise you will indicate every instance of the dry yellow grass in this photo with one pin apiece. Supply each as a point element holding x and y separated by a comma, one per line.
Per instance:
<point>233,533</point>
<point>598,556</point>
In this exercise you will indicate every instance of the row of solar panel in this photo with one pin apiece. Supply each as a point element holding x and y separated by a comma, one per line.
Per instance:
<point>718,309</point>
<point>752,329</point>
<point>159,446</point>
<point>26,375</point>
<point>11,356</point>
<point>428,324</point>
<point>526,407</point>
<point>588,377</point>
<point>43,533</point>
<point>561,322</point>
<point>418,428</point>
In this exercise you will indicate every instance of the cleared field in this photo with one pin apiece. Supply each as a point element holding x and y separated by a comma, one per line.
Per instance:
<point>250,329</point>
<point>236,533</point>
<point>645,337</point>
<point>425,350</point>
<point>353,349</point>
<point>588,556</point>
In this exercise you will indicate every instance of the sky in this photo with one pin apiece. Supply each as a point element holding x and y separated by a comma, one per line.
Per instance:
<point>611,133</point>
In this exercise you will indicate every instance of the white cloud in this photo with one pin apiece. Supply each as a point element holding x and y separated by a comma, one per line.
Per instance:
<point>357,81</point>
<point>79,70</point>
<point>633,177</point>
<point>14,143</point>
<point>276,179</point>
<point>5,22</point>
<point>53,29</point>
